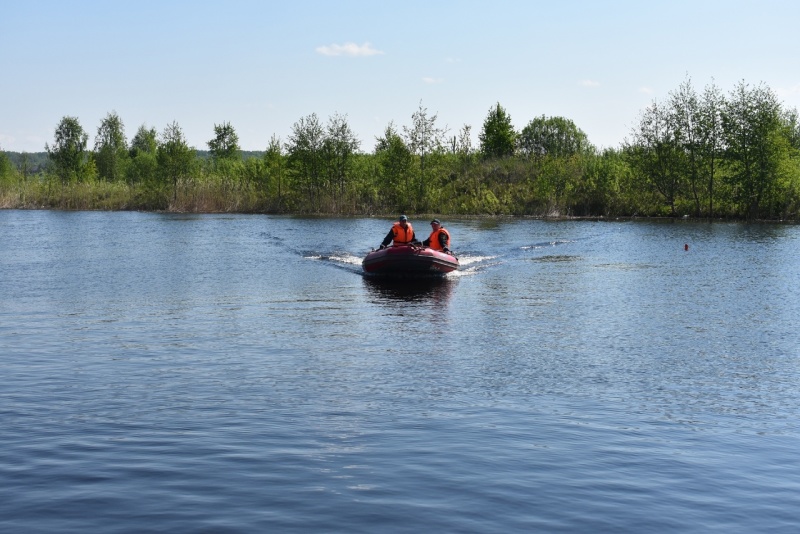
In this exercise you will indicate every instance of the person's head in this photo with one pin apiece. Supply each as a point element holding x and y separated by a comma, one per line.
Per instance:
<point>403,220</point>
<point>435,224</point>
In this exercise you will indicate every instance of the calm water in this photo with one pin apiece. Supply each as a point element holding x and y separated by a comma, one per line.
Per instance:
<point>220,373</point>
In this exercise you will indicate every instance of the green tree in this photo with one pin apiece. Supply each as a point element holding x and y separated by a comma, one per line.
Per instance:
<point>225,144</point>
<point>498,137</point>
<point>226,157</point>
<point>145,140</point>
<point>552,136</point>
<point>111,148</point>
<point>340,145</point>
<point>68,151</point>
<point>423,138</point>
<point>306,158</point>
<point>6,167</point>
<point>685,108</point>
<point>274,161</point>
<point>462,144</point>
<point>143,166</point>
<point>710,139</point>
<point>655,154</point>
<point>174,157</point>
<point>755,144</point>
<point>394,163</point>
<point>461,178</point>
<point>791,125</point>
<point>25,165</point>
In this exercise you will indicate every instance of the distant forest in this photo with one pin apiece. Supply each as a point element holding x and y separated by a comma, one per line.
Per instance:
<point>703,154</point>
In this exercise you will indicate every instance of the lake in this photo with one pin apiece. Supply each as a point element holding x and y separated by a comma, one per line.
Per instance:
<point>238,373</point>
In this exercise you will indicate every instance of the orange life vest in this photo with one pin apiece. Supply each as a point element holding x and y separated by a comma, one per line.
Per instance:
<point>402,236</point>
<point>434,239</point>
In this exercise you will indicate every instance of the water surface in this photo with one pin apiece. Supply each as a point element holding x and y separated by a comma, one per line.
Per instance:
<point>232,373</point>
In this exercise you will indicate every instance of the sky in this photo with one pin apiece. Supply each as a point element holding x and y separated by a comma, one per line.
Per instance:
<point>263,65</point>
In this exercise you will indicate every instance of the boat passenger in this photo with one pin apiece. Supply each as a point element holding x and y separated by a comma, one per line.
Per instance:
<point>439,238</point>
<point>401,233</point>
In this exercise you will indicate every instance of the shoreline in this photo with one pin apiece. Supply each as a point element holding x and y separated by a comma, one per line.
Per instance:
<point>422,216</point>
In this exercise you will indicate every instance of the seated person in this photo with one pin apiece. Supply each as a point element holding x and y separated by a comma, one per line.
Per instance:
<point>439,238</point>
<point>401,233</point>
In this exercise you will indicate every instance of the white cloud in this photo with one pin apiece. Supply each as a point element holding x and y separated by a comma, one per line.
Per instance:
<point>590,83</point>
<point>429,80</point>
<point>646,90</point>
<point>348,49</point>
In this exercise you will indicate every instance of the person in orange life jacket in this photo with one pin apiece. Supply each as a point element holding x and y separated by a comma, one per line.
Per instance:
<point>401,233</point>
<point>439,238</point>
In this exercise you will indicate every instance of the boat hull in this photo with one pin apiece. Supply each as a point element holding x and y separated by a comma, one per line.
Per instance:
<point>408,262</point>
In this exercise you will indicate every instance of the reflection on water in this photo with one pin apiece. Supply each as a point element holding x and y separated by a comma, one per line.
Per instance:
<point>436,290</point>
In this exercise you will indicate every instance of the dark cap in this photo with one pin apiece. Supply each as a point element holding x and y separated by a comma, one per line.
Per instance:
<point>436,221</point>
<point>403,218</point>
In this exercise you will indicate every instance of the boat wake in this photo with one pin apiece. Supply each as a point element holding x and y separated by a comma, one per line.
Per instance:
<point>547,244</point>
<point>340,260</point>
<point>344,259</point>
<point>471,263</point>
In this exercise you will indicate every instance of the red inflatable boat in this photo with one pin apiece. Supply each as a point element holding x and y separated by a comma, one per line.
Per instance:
<point>409,261</point>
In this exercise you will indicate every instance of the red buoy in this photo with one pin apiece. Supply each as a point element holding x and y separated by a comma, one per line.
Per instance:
<point>686,246</point>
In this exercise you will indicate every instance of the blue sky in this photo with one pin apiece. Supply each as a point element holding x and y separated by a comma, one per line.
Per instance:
<point>263,65</point>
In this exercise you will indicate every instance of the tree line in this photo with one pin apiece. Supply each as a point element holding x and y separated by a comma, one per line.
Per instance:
<point>701,154</point>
